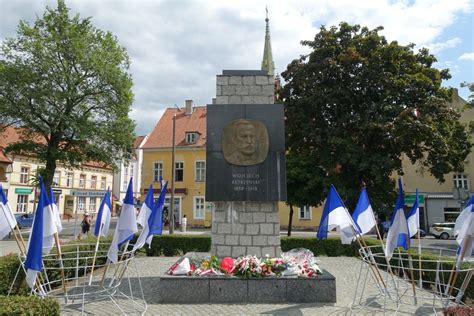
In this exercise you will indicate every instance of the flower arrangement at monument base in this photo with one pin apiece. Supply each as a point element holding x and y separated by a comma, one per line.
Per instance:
<point>295,263</point>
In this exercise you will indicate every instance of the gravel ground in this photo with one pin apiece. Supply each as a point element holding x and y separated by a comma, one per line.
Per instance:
<point>345,269</point>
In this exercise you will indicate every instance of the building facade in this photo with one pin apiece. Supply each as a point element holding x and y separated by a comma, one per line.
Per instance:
<point>441,202</point>
<point>190,162</point>
<point>76,190</point>
<point>132,169</point>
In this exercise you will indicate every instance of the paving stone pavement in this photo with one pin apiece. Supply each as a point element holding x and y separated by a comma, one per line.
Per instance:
<point>345,270</point>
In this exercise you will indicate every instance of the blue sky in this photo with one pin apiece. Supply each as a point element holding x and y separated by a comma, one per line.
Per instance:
<point>461,37</point>
<point>177,47</point>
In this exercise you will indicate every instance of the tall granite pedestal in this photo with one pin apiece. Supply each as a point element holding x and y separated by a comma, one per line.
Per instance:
<point>247,223</point>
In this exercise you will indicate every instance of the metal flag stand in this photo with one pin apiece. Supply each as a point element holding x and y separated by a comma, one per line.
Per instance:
<point>436,294</point>
<point>123,286</point>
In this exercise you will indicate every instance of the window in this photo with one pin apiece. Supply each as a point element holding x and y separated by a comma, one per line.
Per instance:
<point>81,203</point>
<point>103,183</point>
<point>69,179</point>
<point>460,181</point>
<point>92,204</point>
<point>3,174</point>
<point>56,179</point>
<point>450,214</point>
<point>191,138</point>
<point>125,178</point>
<point>157,171</point>
<point>200,171</point>
<point>198,207</point>
<point>82,181</point>
<point>178,171</point>
<point>305,212</point>
<point>93,182</point>
<point>22,203</point>
<point>24,175</point>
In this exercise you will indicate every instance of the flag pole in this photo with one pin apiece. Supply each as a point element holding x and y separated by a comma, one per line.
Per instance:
<point>455,268</point>
<point>95,253</point>
<point>410,264</point>
<point>420,279</point>
<point>375,271</point>
<point>61,267</point>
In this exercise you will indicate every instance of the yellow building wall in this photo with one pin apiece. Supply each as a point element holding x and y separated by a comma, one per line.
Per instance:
<point>415,177</point>
<point>188,156</point>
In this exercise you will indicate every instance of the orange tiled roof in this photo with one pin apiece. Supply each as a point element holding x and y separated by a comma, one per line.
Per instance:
<point>12,134</point>
<point>3,157</point>
<point>162,135</point>
<point>138,141</point>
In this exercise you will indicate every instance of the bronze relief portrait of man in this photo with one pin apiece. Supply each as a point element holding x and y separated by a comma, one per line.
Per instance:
<point>245,142</point>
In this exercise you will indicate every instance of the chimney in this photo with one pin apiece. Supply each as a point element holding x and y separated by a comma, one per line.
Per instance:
<point>214,100</point>
<point>189,107</point>
<point>454,94</point>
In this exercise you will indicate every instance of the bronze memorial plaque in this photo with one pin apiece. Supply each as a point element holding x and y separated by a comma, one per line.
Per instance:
<point>245,142</point>
<point>245,152</point>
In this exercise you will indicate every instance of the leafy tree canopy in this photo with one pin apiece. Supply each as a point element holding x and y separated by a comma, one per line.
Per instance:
<point>66,84</point>
<point>354,106</point>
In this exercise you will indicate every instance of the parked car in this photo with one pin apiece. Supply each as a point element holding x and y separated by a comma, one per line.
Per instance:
<point>386,226</point>
<point>24,220</point>
<point>442,230</point>
<point>422,234</point>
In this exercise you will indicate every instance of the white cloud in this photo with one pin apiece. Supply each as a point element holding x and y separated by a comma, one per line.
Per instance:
<point>467,56</point>
<point>178,47</point>
<point>439,46</point>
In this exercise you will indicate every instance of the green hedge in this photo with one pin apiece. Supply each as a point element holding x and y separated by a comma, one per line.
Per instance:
<point>172,245</point>
<point>28,305</point>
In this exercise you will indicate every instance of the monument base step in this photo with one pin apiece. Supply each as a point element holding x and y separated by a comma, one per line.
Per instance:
<point>224,289</point>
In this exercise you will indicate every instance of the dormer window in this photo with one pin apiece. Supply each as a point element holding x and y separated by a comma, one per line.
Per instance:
<point>191,138</point>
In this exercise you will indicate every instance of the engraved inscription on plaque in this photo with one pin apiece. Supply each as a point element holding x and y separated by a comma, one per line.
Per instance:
<point>246,182</point>
<point>245,142</point>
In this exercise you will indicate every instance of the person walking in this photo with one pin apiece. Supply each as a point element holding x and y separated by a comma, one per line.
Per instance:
<point>184,222</point>
<point>85,225</point>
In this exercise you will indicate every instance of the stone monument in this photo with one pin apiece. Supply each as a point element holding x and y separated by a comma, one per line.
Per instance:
<point>245,171</point>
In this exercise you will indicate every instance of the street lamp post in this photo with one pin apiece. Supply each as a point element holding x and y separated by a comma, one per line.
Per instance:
<point>173,152</point>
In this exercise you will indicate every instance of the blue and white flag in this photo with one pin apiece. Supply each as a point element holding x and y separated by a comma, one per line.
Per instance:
<point>42,232</point>
<point>146,208</point>
<point>55,210</point>
<point>465,234</point>
<point>152,220</point>
<point>335,215</point>
<point>155,221</point>
<point>145,212</point>
<point>363,214</point>
<point>126,225</point>
<point>413,218</point>
<point>103,216</point>
<point>7,219</point>
<point>463,217</point>
<point>398,231</point>
<point>50,227</point>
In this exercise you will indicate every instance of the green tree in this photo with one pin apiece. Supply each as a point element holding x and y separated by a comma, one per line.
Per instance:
<point>355,106</point>
<point>65,83</point>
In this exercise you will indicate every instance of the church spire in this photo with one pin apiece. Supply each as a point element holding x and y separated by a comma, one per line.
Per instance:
<point>267,61</point>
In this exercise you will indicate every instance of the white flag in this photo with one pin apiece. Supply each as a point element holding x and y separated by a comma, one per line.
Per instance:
<point>363,214</point>
<point>413,218</point>
<point>126,225</point>
<point>7,220</point>
<point>335,215</point>
<point>398,231</point>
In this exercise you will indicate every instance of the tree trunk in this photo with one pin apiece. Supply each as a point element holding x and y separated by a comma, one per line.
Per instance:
<point>290,220</point>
